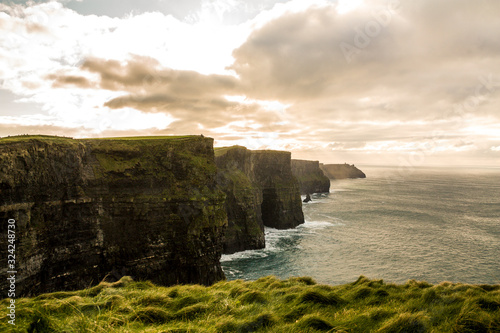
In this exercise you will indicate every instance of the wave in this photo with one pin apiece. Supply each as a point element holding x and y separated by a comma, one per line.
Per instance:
<point>277,239</point>
<point>322,224</point>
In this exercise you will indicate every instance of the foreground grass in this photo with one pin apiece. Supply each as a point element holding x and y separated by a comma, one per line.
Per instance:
<point>265,305</point>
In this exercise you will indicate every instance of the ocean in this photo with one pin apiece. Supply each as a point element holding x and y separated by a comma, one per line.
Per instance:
<point>428,224</point>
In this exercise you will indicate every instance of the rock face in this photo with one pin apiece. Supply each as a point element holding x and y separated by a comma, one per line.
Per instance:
<point>87,209</point>
<point>245,229</point>
<point>311,178</point>
<point>261,191</point>
<point>341,171</point>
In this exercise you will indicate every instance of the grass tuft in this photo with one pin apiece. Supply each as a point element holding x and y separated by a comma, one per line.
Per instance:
<point>472,319</point>
<point>152,315</point>
<point>381,293</point>
<point>296,313</point>
<point>406,323</point>
<point>319,298</point>
<point>316,323</point>
<point>489,287</point>
<point>363,292</point>
<point>40,324</point>
<point>252,297</point>
<point>489,304</point>
<point>308,281</point>
<point>191,312</point>
<point>261,321</point>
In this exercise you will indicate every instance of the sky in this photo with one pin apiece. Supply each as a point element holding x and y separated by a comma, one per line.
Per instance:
<point>370,82</point>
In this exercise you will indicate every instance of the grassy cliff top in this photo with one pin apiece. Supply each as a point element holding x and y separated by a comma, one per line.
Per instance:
<point>62,139</point>
<point>265,305</point>
<point>294,160</point>
<point>45,138</point>
<point>219,151</point>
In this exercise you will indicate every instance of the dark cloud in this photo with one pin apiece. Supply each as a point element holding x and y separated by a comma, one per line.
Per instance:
<point>194,99</point>
<point>72,80</point>
<point>146,73</point>
<point>416,55</point>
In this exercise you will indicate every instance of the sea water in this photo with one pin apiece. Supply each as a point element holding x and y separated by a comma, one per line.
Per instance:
<point>432,224</point>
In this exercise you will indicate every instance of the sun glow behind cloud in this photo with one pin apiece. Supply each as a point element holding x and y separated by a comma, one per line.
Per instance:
<point>346,6</point>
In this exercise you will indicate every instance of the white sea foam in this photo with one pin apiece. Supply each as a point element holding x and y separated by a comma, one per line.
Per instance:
<point>261,253</point>
<point>274,236</point>
<point>317,225</point>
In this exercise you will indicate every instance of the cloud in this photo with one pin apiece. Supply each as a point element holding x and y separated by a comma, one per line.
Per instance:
<point>398,50</point>
<point>193,100</point>
<point>399,77</point>
<point>61,81</point>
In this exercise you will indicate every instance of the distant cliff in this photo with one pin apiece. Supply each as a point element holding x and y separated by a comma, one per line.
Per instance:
<point>341,171</point>
<point>311,178</point>
<point>86,209</point>
<point>260,190</point>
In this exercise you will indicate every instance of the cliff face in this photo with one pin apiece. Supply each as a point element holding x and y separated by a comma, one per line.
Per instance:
<point>87,209</point>
<point>261,191</point>
<point>245,229</point>
<point>341,171</point>
<point>281,204</point>
<point>311,178</point>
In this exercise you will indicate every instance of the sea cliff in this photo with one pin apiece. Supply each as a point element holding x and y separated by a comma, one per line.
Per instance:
<point>245,229</point>
<point>89,209</point>
<point>311,178</point>
<point>341,171</point>
<point>261,191</point>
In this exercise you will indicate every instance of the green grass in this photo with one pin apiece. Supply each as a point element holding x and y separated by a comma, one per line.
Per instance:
<point>219,151</point>
<point>162,137</point>
<point>125,141</point>
<point>265,305</point>
<point>45,138</point>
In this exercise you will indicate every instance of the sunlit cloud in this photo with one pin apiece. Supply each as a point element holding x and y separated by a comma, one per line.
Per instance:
<point>419,81</point>
<point>345,6</point>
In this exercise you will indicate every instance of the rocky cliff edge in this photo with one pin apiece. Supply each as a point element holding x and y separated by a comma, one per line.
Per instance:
<point>311,178</point>
<point>341,171</point>
<point>89,209</point>
<point>261,191</point>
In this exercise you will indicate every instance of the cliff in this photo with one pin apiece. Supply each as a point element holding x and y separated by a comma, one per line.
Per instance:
<point>261,191</point>
<point>281,205</point>
<point>311,178</point>
<point>245,229</point>
<point>86,209</point>
<point>341,171</point>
